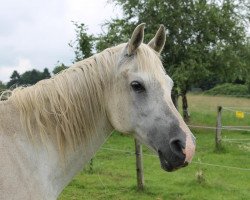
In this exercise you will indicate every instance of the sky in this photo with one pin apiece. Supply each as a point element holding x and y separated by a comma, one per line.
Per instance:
<point>36,33</point>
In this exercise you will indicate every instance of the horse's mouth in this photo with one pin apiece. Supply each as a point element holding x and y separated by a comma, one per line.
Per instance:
<point>167,166</point>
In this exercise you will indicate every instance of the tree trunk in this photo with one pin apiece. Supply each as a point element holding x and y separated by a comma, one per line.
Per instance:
<point>186,114</point>
<point>175,96</point>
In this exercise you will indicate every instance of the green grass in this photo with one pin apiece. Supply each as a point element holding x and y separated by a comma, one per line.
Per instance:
<point>114,176</point>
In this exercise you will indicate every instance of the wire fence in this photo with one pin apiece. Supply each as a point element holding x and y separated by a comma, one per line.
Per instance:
<point>195,162</point>
<point>229,128</point>
<point>238,107</point>
<point>235,110</point>
<point>237,127</point>
<point>219,126</point>
<point>236,139</point>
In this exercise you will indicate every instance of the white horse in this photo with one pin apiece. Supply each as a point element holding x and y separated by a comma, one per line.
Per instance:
<point>49,131</point>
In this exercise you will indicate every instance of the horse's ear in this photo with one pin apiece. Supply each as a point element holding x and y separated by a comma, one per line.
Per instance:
<point>136,39</point>
<point>158,42</point>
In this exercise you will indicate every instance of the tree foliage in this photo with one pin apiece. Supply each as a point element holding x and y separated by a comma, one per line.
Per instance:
<point>46,73</point>
<point>84,42</point>
<point>27,78</point>
<point>59,67</point>
<point>14,79</point>
<point>2,86</point>
<point>118,31</point>
<point>199,32</point>
<point>205,38</point>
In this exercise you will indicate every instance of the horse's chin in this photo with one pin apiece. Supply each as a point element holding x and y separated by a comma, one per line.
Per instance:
<point>167,166</point>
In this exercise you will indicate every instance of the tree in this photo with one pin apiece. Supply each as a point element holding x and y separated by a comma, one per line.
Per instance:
<point>46,74</point>
<point>59,67</point>
<point>247,55</point>
<point>118,30</point>
<point>2,86</point>
<point>83,44</point>
<point>14,79</point>
<point>27,78</point>
<point>200,33</point>
<point>31,77</point>
<point>2,89</point>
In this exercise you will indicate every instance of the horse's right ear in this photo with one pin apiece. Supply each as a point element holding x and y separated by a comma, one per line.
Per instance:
<point>158,42</point>
<point>136,39</point>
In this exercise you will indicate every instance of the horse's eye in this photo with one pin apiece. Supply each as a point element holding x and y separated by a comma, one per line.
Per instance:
<point>137,87</point>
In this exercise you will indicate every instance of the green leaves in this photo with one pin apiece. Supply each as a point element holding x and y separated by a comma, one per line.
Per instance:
<point>83,44</point>
<point>2,86</point>
<point>204,37</point>
<point>27,78</point>
<point>117,31</point>
<point>59,67</point>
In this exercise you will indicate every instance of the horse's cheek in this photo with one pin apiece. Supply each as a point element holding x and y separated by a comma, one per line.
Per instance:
<point>120,115</point>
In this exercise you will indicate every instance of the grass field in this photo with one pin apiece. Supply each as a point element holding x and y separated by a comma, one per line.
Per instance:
<point>113,174</point>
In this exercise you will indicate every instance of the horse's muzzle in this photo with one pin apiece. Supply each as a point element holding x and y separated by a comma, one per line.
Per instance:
<point>171,165</point>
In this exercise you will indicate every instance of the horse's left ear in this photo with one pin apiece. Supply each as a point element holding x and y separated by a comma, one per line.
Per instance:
<point>158,42</point>
<point>136,39</point>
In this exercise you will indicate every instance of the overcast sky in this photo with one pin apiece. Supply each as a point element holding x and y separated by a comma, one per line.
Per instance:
<point>36,33</point>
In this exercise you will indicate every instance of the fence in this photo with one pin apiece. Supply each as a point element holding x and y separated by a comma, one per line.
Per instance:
<point>239,114</point>
<point>218,140</point>
<point>194,162</point>
<point>219,127</point>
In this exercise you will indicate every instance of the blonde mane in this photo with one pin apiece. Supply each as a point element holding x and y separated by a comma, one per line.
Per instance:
<point>69,104</point>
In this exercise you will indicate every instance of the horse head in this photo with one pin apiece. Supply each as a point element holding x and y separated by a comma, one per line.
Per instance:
<point>139,101</point>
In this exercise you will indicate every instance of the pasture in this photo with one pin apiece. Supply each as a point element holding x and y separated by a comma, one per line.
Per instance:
<point>113,173</point>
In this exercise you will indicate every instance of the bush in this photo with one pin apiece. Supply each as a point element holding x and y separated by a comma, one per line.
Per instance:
<point>229,89</point>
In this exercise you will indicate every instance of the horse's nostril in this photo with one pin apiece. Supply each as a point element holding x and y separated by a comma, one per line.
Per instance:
<point>177,147</point>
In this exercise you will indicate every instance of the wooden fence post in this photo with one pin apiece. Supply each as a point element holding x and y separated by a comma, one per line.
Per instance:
<point>139,166</point>
<point>218,129</point>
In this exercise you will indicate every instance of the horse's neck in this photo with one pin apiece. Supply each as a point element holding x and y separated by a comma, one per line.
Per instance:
<point>62,172</point>
<point>41,164</point>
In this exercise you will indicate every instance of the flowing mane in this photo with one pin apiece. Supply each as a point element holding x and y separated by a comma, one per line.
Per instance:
<point>69,103</point>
